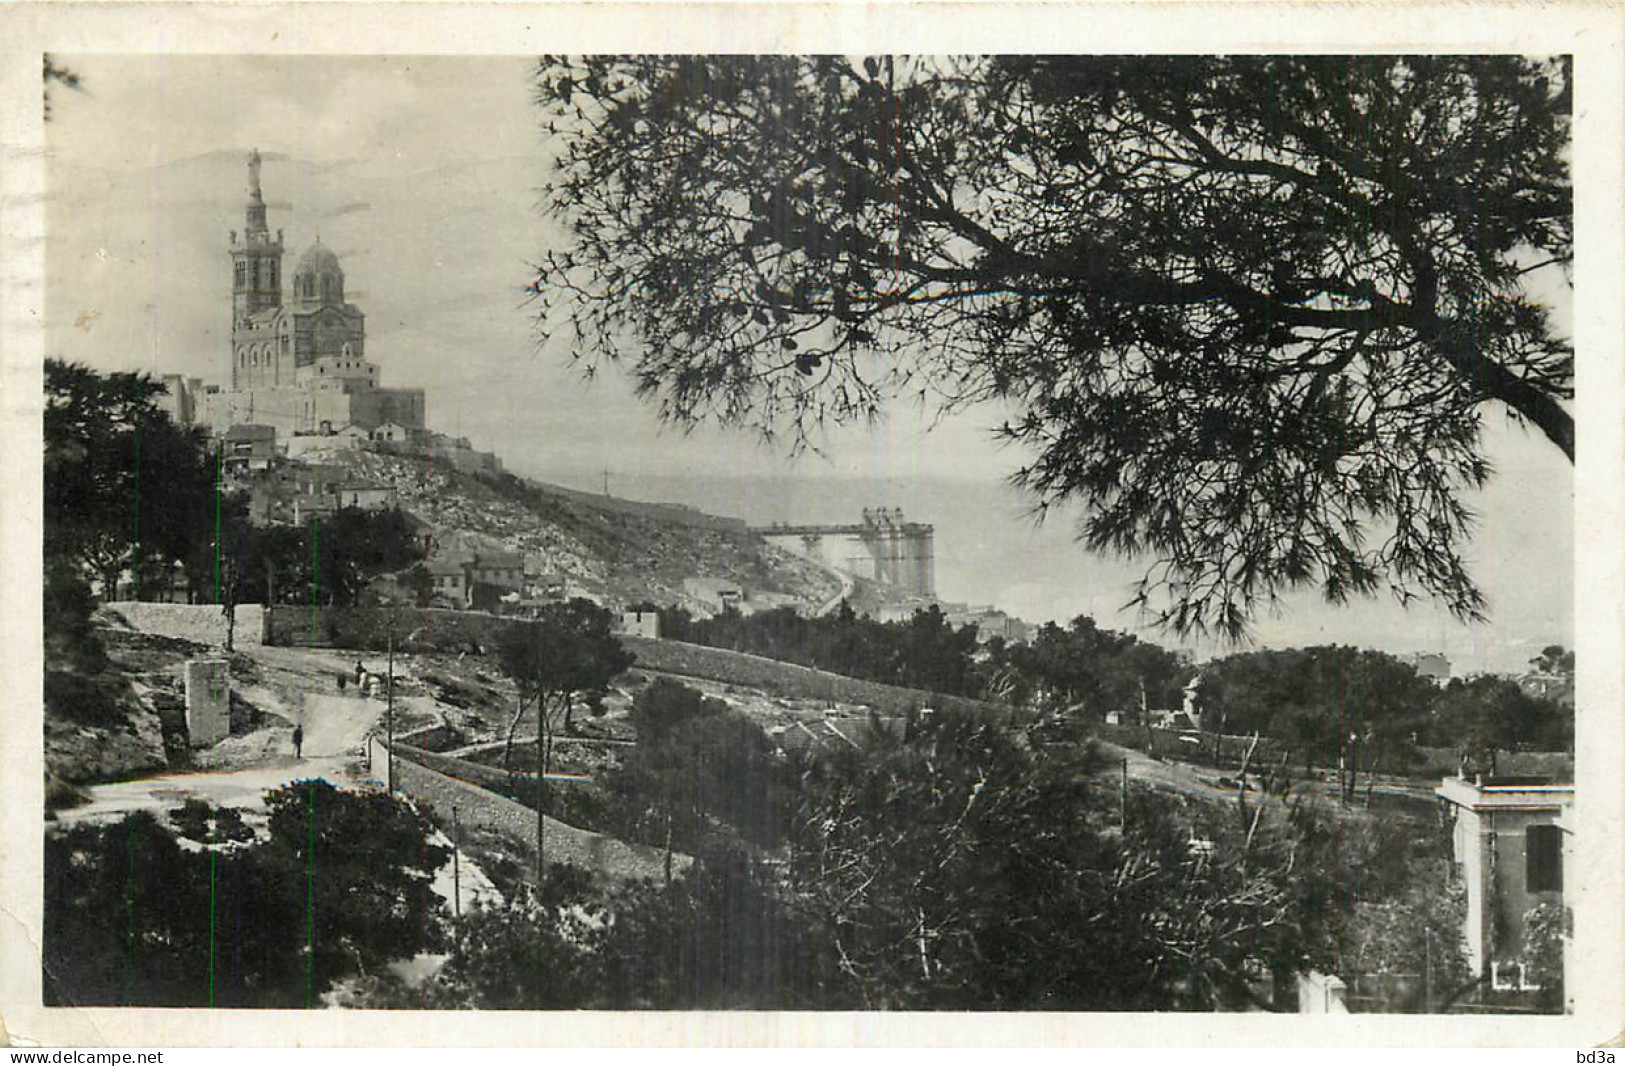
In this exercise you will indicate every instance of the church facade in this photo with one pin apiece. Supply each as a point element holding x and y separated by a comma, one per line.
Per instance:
<point>297,361</point>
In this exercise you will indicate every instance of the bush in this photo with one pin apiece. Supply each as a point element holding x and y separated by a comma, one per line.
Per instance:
<point>666,704</point>
<point>92,699</point>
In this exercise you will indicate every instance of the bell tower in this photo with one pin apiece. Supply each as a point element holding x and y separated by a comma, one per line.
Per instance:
<point>256,259</point>
<point>256,287</point>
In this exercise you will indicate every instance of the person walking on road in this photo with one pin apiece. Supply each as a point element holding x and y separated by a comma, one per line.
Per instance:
<point>298,741</point>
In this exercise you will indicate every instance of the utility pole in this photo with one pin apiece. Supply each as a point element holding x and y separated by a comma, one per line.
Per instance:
<point>456,869</point>
<point>389,711</point>
<point>541,788</point>
<point>1122,795</point>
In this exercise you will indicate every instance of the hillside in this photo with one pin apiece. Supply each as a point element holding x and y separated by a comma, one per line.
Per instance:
<point>615,552</point>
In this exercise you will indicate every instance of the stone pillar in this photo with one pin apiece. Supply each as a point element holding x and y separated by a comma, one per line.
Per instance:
<point>1320,993</point>
<point>208,701</point>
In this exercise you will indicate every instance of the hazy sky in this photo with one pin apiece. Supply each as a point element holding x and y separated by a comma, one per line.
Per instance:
<point>422,174</point>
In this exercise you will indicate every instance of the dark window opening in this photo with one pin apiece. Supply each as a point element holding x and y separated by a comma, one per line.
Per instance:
<point>1543,855</point>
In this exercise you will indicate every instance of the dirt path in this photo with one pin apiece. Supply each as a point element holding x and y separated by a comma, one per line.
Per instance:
<point>335,728</point>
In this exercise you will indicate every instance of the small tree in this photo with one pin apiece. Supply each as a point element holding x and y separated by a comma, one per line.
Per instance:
<point>568,650</point>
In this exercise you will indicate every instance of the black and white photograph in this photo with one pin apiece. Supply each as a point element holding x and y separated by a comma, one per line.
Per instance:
<point>811,529</point>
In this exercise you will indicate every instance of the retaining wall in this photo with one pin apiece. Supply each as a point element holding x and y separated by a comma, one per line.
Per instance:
<point>579,804</point>
<point>203,623</point>
<point>438,793</point>
<point>790,679</point>
<point>366,628</point>
<point>439,629</point>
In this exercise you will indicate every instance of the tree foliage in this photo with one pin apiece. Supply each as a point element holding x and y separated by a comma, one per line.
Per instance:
<point>926,651</point>
<point>339,887</point>
<point>957,868</point>
<point>1084,664</point>
<point>535,953</point>
<point>1318,696</point>
<point>568,650</point>
<point>126,489</point>
<point>1484,715</point>
<point>1250,311</point>
<point>700,766</point>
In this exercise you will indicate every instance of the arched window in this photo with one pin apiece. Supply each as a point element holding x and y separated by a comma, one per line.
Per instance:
<point>242,274</point>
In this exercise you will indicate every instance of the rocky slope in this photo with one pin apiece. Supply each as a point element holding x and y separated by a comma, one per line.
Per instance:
<point>615,556</point>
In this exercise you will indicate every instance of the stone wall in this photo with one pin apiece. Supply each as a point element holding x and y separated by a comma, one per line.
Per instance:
<point>202,623</point>
<point>437,794</point>
<point>418,629</point>
<point>789,679</point>
<point>436,629</point>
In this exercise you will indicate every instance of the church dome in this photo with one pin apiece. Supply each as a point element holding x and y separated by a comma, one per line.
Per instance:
<point>318,276</point>
<point>318,259</point>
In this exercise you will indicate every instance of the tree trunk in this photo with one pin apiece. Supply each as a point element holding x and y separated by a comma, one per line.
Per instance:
<point>542,758</point>
<point>513,726</point>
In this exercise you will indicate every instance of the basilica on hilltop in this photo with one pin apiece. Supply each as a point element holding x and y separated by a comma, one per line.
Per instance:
<point>297,361</point>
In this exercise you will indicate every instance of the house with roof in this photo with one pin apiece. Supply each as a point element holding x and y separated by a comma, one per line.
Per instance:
<point>503,569</point>
<point>1510,838</point>
<point>394,433</point>
<point>481,579</point>
<point>448,581</point>
<point>249,446</point>
<point>366,495</point>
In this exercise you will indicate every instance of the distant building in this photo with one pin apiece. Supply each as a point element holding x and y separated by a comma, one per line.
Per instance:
<point>393,433</point>
<point>249,448</point>
<point>641,624</point>
<point>477,579</point>
<point>1431,665</point>
<point>505,570</point>
<point>461,455</point>
<point>1559,688</point>
<point>448,580</point>
<point>1181,721</point>
<point>1510,837</point>
<point>715,593</point>
<point>366,495</point>
<point>989,622</point>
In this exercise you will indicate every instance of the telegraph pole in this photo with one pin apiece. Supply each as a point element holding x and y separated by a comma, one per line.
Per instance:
<point>389,712</point>
<point>1123,796</point>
